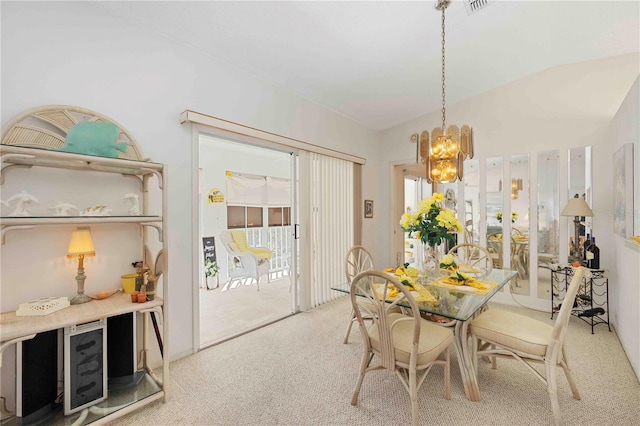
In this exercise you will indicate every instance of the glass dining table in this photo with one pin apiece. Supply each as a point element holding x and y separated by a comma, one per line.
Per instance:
<point>459,305</point>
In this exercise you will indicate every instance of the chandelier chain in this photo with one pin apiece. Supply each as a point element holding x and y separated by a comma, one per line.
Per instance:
<point>443,84</point>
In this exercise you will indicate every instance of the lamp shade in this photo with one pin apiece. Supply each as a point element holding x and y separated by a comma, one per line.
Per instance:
<point>81,243</point>
<point>577,207</point>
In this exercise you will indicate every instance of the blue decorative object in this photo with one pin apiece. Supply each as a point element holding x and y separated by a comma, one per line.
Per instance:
<point>94,139</point>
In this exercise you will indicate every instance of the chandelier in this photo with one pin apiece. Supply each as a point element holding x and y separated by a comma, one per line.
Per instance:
<point>445,151</point>
<point>516,186</point>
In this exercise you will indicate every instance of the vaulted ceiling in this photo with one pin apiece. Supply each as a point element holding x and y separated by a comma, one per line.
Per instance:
<point>379,62</point>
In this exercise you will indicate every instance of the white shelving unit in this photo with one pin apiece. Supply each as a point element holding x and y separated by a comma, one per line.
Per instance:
<point>31,141</point>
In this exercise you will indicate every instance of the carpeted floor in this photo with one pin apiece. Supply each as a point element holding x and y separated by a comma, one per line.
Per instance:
<point>298,372</point>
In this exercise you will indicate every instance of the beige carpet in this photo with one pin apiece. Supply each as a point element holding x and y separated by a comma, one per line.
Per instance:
<point>298,372</point>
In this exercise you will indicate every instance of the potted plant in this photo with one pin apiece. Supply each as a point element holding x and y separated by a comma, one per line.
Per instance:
<point>211,270</point>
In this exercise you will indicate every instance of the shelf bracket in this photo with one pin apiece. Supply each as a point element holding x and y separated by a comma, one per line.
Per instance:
<point>6,229</point>
<point>157,174</point>
<point>158,228</point>
<point>5,345</point>
<point>7,157</point>
<point>138,178</point>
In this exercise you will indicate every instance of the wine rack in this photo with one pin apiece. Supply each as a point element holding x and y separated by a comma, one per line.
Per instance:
<point>592,300</point>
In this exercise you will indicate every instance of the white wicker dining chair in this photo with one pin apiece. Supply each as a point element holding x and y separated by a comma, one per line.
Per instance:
<point>497,333</point>
<point>245,265</point>
<point>358,260</point>
<point>406,345</point>
<point>473,255</point>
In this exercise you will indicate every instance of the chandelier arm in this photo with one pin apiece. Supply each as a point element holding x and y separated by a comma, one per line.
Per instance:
<point>443,76</point>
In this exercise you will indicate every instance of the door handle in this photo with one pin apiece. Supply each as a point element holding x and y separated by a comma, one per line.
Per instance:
<point>296,236</point>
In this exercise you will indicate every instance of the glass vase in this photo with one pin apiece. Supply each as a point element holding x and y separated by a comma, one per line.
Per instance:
<point>431,261</point>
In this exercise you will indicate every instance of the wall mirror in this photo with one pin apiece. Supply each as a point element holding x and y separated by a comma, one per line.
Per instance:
<point>519,219</point>
<point>548,219</point>
<point>494,208</point>
<point>579,185</point>
<point>471,216</point>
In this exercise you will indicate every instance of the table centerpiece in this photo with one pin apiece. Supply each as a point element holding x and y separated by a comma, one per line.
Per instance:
<point>432,224</point>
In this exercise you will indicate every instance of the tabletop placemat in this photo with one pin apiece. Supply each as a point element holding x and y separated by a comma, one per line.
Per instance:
<point>421,294</point>
<point>464,288</point>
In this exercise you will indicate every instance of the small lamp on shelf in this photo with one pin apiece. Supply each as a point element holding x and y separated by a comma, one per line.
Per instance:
<point>80,247</point>
<point>577,207</point>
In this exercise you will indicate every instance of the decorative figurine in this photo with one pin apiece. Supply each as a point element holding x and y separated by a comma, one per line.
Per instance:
<point>63,209</point>
<point>94,138</point>
<point>23,206</point>
<point>96,211</point>
<point>134,210</point>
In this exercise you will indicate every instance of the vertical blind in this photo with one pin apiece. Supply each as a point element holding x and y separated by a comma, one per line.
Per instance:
<point>331,223</point>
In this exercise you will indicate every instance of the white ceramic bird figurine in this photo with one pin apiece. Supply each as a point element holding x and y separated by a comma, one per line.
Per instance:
<point>134,199</point>
<point>63,209</point>
<point>23,206</point>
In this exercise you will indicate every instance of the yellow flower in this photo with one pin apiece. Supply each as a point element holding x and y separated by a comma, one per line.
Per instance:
<point>424,205</point>
<point>447,259</point>
<point>433,223</point>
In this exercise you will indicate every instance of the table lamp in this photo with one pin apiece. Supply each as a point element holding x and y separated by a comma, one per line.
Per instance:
<point>80,246</point>
<point>577,207</point>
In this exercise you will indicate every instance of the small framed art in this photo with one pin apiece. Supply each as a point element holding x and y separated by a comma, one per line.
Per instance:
<point>368,208</point>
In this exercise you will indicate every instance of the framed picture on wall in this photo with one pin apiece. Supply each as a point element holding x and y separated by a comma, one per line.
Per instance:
<point>368,208</point>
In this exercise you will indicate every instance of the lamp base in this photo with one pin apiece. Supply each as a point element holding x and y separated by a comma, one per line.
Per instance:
<point>80,299</point>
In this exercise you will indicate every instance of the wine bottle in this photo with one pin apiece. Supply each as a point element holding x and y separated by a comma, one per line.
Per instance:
<point>587,243</point>
<point>593,255</point>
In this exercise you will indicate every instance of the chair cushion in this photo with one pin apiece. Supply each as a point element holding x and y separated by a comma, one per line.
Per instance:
<point>240,239</point>
<point>433,339</point>
<point>514,331</point>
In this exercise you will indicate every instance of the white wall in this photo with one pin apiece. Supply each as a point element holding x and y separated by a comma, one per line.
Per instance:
<point>73,53</point>
<point>624,292</point>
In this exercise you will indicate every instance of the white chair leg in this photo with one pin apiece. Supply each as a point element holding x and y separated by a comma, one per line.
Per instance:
<point>552,389</point>
<point>494,360</point>
<point>366,359</point>
<point>346,336</point>
<point>413,394</point>
<point>447,373</point>
<point>569,375</point>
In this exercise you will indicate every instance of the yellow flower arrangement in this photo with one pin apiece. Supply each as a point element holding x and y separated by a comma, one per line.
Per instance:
<point>514,217</point>
<point>432,223</point>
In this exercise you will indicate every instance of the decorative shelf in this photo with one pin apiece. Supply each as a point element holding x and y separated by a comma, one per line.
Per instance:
<point>28,156</point>
<point>34,139</point>
<point>61,220</point>
<point>13,326</point>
